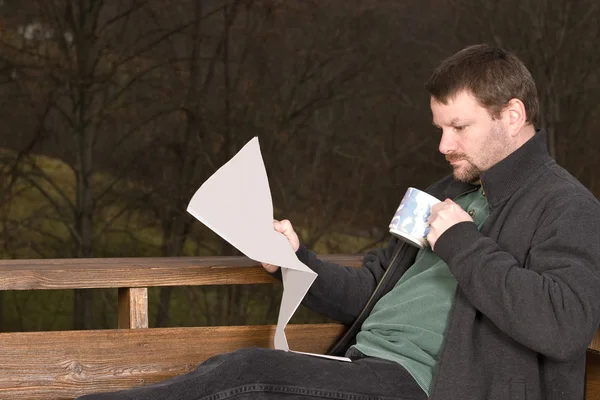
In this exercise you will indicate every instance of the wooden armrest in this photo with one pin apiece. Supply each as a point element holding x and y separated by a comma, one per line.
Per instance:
<point>85,273</point>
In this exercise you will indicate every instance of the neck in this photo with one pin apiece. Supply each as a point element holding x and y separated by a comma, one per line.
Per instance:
<point>526,133</point>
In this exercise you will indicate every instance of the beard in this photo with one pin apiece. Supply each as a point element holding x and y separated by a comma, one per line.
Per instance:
<point>492,151</point>
<point>468,172</point>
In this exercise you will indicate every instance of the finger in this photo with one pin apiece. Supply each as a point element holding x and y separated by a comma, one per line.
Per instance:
<point>437,206</point>
<point>434,212</point>
<point>286,225</point>
<point>430,239</point>
<point>269,268</point>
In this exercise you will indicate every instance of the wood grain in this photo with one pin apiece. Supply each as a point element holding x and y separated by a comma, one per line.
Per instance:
<point>592,376</point>
<point>82,273</point>
<point>133,308</point>
<point>595,345</point>
<point>67,364</point>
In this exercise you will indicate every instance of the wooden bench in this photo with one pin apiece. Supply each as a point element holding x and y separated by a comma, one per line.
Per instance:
<point>67,364</point>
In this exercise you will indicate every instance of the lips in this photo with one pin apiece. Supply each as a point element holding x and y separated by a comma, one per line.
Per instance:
<point>453,160</point>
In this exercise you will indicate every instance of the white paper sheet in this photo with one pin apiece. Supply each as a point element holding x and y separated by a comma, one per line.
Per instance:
<point>235,203</point>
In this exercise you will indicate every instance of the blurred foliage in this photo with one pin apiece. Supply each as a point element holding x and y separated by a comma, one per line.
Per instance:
<point>114,112</point>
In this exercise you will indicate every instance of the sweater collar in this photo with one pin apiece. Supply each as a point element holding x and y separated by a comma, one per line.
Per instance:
<point>503,179</point>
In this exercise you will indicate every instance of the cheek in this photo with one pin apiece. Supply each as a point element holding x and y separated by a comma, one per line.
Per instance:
<point>469,147</point>
<point>483,152</point>
<point>475,150</point>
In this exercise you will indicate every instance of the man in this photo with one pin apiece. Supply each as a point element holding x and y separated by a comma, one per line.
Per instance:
<point>502,305</point>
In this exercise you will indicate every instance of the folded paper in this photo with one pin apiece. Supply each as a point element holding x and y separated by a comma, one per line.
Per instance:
<point>235,203</point>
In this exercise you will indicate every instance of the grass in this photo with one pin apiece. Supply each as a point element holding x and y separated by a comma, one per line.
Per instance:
<point>38,225</point>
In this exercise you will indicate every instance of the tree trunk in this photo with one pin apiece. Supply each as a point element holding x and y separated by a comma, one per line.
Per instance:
<point>175,228</point>
<point>83,298</point>
<point>84,208</point>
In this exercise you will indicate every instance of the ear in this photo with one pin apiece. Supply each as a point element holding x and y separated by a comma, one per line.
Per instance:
<point>516,116</point>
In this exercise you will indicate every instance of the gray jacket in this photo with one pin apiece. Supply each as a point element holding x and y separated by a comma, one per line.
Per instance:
<point>528,298</point>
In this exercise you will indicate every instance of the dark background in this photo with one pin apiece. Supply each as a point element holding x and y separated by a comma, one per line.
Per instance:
<point>113,113</point>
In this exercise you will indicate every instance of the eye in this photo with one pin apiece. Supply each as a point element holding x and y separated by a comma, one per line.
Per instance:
<point>460,128</point>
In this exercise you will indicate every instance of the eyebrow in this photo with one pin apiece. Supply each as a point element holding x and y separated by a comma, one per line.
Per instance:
<point>454,122</point>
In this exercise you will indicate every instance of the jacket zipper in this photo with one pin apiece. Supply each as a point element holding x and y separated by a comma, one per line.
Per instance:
<point>381,281</point>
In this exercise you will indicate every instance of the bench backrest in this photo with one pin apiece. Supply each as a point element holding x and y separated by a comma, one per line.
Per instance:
<point>67,364</point>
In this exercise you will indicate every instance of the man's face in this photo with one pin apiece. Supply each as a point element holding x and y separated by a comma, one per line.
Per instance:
<point>471,140</point>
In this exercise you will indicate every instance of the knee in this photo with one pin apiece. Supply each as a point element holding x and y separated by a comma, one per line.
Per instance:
<point>256,358</point>
<point>250,355</point>
<point>246,359</point>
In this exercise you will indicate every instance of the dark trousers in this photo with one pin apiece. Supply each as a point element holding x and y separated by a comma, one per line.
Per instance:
<point>266,374</point>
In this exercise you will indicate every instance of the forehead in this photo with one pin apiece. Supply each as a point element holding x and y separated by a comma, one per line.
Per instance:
<point>459,107</point>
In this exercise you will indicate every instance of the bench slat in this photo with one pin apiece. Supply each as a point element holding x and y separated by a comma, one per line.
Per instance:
<point>592,376</point>
<point>67,364</point>
<point>84,273</point>
<point>595,345</point>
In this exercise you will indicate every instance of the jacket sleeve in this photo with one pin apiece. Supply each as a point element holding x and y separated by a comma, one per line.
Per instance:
<point>341,292</point>
<point>552,303</point>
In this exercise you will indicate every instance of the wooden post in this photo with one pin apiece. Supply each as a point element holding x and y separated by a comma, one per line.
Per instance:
<point>133,308</point>
<point>595,345</point>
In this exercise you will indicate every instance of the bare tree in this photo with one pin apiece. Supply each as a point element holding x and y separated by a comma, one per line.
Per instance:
<point>556,39</point>
<point>296,92</point>
<point>77,64</point>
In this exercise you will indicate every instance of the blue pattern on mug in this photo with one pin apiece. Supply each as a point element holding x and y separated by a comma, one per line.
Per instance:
<point>411,216</point>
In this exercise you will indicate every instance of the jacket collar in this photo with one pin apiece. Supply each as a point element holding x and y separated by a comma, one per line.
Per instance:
<point>503,179</point>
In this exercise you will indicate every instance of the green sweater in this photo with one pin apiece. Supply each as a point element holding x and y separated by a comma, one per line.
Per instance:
<point>408,324</point>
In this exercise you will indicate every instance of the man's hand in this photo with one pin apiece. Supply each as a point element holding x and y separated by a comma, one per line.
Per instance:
<point>443,216</point>
<point>287,229</point>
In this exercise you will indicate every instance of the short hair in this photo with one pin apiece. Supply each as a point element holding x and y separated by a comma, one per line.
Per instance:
<point>492,75</point>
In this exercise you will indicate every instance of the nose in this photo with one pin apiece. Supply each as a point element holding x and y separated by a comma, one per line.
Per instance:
<point>447,142</point>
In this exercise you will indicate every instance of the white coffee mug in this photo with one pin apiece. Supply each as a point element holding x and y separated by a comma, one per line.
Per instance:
<point>410,220</point>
